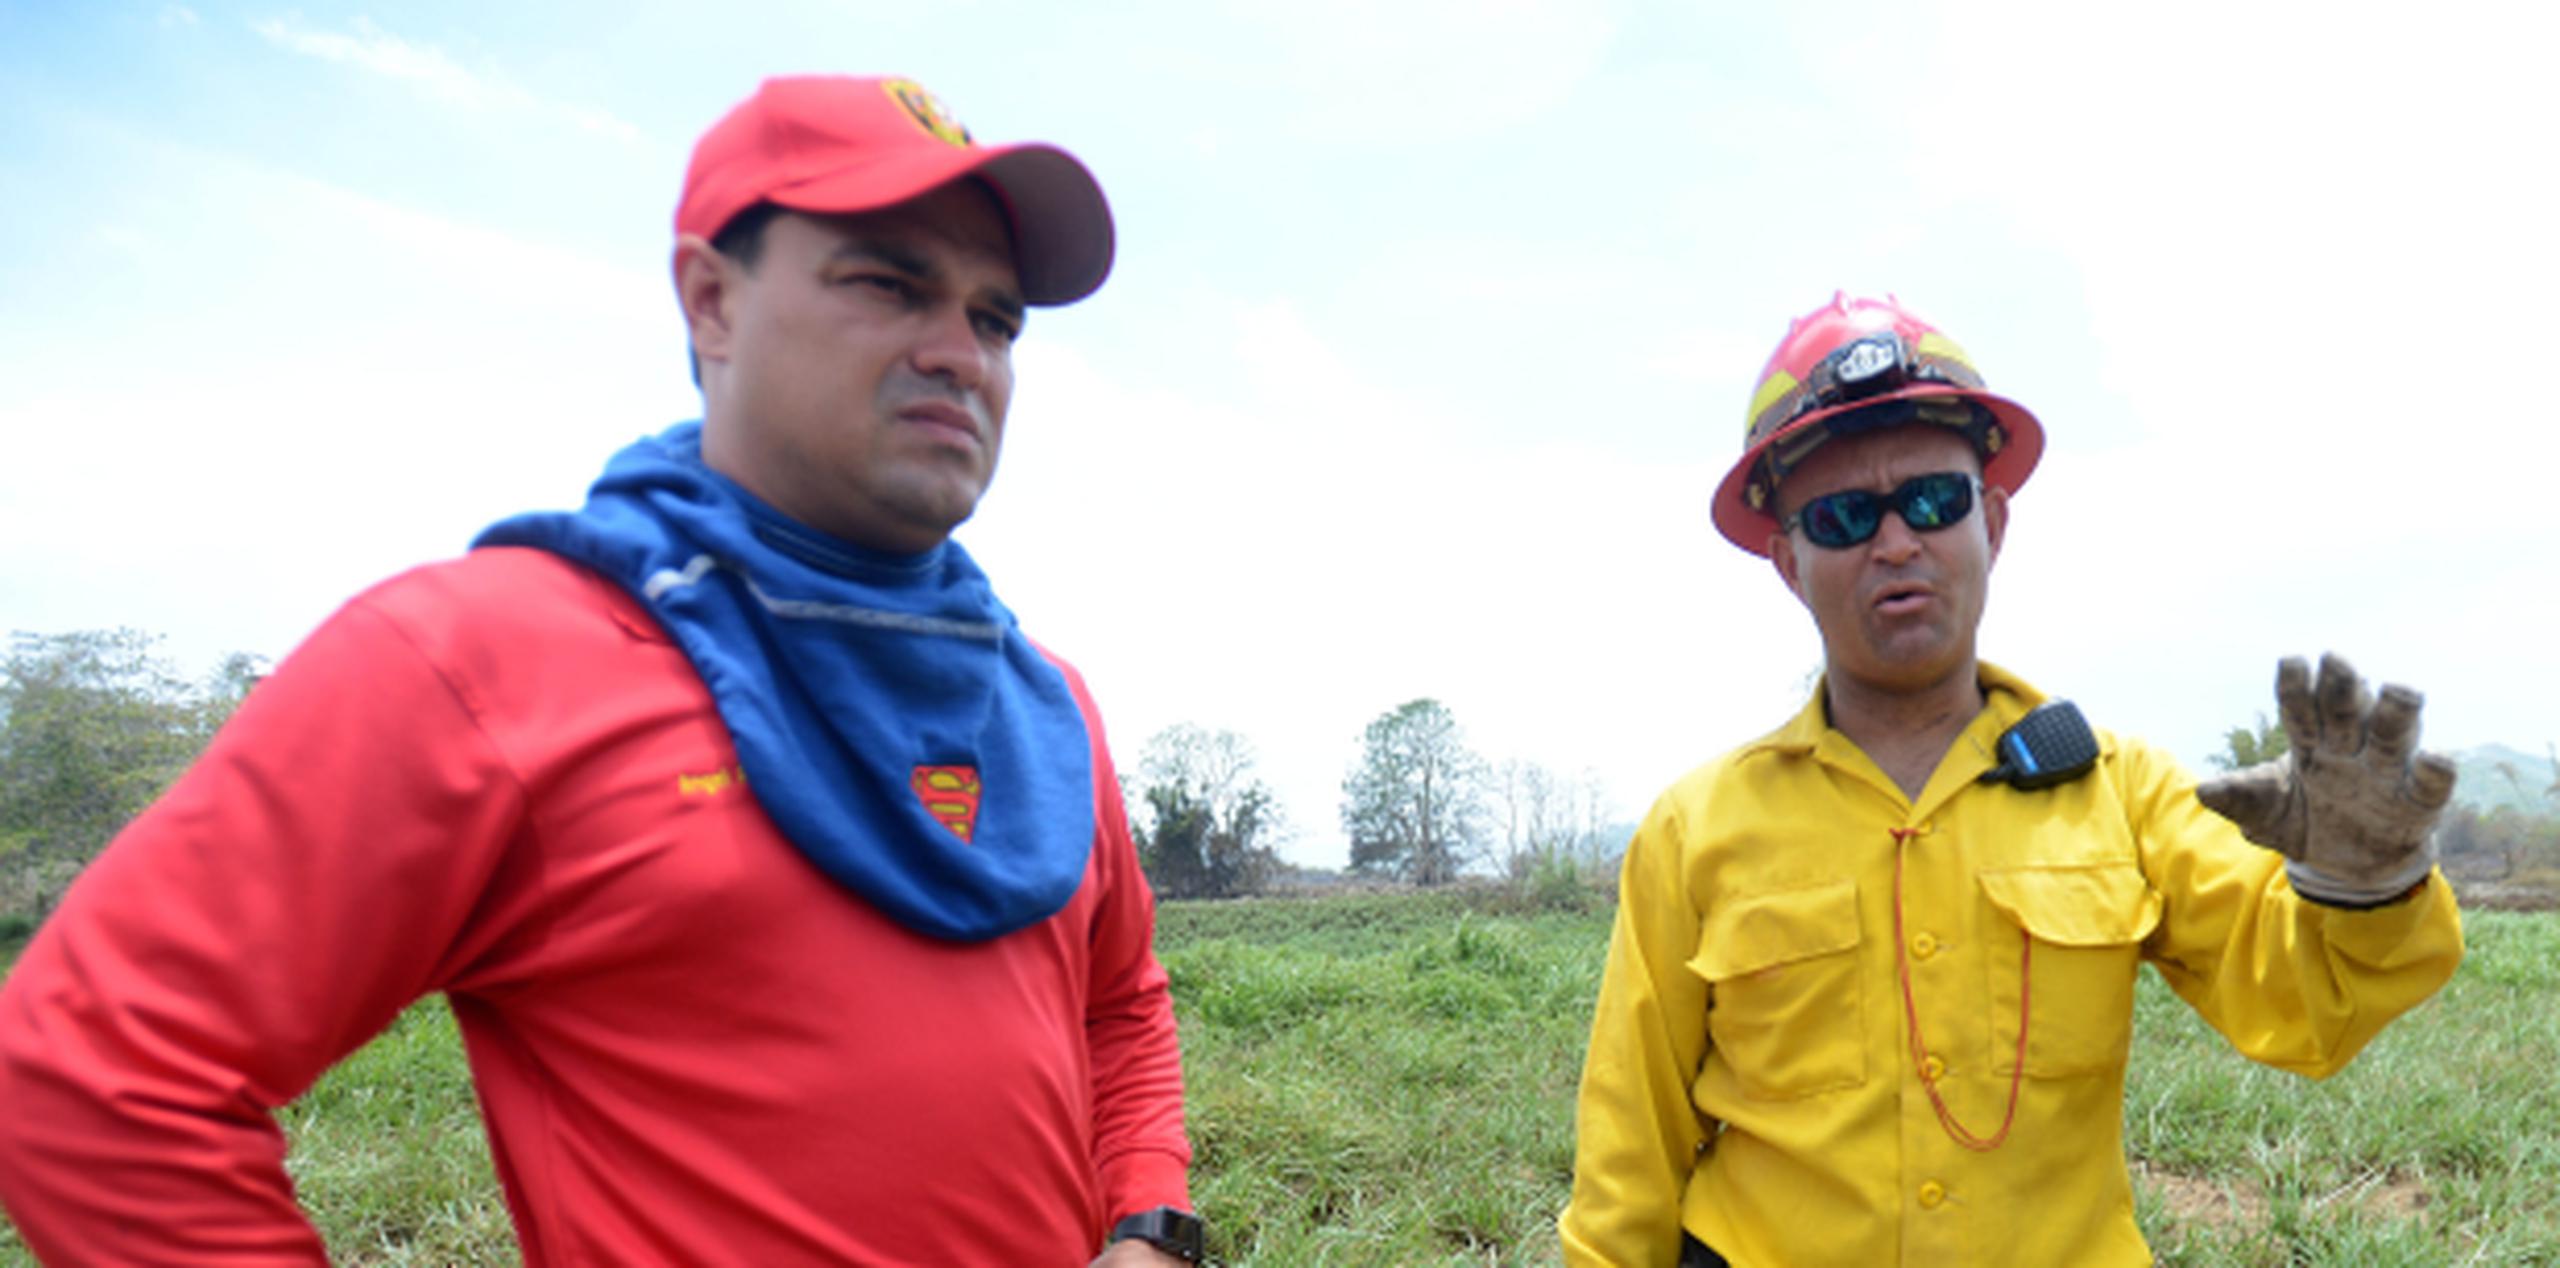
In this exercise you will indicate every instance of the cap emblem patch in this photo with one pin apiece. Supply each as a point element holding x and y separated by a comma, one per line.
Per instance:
<point>927,111</point>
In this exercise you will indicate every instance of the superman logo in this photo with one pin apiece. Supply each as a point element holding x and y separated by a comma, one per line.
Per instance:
<point>950,795</point>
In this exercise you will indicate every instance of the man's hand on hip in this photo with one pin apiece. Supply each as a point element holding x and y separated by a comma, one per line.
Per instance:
<point>2352,807</point>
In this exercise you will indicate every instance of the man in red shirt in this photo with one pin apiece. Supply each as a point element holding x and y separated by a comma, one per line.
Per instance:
<point>780,885</point>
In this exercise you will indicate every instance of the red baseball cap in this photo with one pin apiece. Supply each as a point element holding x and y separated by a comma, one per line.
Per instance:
<point>832,144</point>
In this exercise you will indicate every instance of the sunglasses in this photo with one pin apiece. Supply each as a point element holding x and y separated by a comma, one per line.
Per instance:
<point>1837,521</point>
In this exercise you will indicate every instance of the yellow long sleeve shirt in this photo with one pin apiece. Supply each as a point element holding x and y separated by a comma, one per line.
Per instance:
<point>1752,1075</point>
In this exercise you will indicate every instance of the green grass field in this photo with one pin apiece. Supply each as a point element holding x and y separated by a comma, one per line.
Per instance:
<point>1388,1079</point>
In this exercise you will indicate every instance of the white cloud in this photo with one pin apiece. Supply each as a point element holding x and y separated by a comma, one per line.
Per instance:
<point>1384,76</point>
<point>2315,212</point>
<point>237,472</point>
<point>368,47</point>
<point>1708,354</point>
<point>124,240</point>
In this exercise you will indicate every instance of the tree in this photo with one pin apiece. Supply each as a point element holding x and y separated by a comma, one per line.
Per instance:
<point>2244,747</point>
<point>1210,819</point>
<point>1413,805</point>
<point>94,724</point>
<point>1173,842</point>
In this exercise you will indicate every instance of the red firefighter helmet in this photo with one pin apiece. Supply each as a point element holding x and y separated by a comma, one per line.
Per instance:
<point>1855,365</point>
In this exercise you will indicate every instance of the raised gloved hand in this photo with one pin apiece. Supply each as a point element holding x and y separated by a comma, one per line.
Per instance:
<point>2353,806</point>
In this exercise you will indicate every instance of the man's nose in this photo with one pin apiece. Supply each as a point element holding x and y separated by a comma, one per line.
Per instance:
<point>1896,541</point>
<point>948,348</point>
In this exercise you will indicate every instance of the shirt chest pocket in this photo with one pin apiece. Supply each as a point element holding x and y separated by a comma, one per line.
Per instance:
<point>1784,999</point>
<point>2087,923</point>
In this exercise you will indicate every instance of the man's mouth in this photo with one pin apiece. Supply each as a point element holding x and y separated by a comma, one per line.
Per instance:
<point>1901,598</point>
<point>946,415</point>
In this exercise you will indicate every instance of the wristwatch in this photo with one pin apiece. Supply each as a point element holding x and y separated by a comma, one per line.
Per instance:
<point>1176,1233</point>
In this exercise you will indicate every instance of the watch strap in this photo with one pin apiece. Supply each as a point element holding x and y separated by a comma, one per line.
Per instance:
<point>1175,1232</point>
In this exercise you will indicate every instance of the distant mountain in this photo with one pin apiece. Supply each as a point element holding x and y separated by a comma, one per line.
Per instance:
<point>2493,775</point>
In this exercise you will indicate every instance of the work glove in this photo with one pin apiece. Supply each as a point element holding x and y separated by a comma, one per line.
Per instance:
<point>2354,805</point>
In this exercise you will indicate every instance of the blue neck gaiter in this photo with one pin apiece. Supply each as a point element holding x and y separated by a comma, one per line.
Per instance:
<point>888,712</point>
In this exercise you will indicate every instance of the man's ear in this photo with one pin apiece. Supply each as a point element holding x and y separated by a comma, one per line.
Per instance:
<point>706,281</point>
<point>1782,554</point>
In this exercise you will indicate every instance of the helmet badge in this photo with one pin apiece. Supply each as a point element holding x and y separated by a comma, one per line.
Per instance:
<point>1868,358</point>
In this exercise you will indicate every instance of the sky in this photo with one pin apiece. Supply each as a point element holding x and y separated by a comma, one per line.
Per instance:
<point>1431,331</point>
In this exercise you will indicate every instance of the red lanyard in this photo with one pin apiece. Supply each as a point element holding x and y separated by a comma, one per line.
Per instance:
<point>1911,1012</point>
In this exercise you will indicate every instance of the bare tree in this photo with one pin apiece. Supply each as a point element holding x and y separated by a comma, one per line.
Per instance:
<point>1543,815</point>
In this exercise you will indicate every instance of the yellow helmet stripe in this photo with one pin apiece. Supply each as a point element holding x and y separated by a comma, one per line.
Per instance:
<point>1773,389</point>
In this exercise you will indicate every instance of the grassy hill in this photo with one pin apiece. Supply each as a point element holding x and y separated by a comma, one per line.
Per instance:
<point>2494,775</point>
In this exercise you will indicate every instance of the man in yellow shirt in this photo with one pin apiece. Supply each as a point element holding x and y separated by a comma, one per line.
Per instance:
<point>1870,992</point>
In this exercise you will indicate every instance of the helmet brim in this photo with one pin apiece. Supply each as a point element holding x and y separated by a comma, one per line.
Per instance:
<point>2008,469</point>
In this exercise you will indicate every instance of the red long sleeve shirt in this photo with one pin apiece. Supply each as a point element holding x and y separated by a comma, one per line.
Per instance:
<point>497,779</point>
